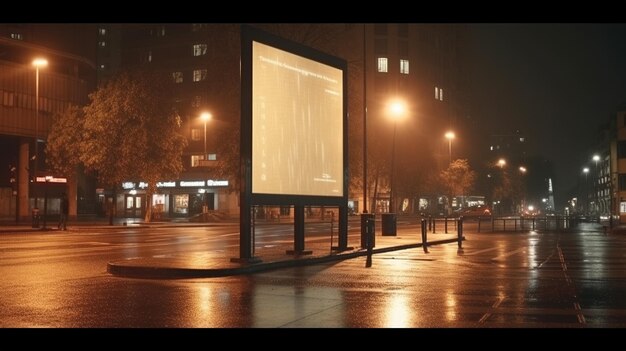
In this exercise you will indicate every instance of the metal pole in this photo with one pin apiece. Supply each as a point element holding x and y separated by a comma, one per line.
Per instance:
<point>205,140</point>
<point>364,122</point>
<point>393,163</point>
<point>449,148</point>
<point>36,132</point>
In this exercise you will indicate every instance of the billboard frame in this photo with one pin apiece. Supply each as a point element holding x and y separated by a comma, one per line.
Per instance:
<point>247,197</point>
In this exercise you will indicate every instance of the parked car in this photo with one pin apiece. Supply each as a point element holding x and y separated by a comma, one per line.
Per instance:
<point>475,211</point>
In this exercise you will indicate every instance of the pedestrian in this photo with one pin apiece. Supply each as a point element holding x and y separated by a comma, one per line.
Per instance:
<point>65,210</point>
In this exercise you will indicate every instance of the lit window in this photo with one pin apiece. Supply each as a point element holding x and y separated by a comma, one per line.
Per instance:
<point>521,140</point>
<point>404,66</point>
<point>161,32</point>
<point>101,66</point>
<point>382,64</point>
<point>102,43</point>
<point>177,76</point>
<point>102,31</point>
<point>16,36</point>
<point>438,94</point>
<point>195,160</point>
<point>196,134</point>
<point>212,157</point>
<point>491,148</point>
<point>149,56</point>
<point>199,49</point>
<point>197,26</point>
<point>196,101</point>
<point>199,75</point>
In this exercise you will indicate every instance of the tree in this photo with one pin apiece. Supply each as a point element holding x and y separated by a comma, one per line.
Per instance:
<point>131,132</point>
<point>62,153</point>
<point>458,178</point>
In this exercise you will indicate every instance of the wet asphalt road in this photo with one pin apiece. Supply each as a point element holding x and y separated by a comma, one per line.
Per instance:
<point>568,279</point>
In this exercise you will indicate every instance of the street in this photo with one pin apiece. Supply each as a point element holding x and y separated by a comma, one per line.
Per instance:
<point>536,279</point>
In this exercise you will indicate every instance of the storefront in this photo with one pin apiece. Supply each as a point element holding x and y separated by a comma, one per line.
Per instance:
<point>173,199</point>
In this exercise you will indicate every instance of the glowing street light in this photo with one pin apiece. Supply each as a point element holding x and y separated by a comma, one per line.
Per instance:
<point>397,111</point>
<point>522,169</point>
<point>38,63</point>
<point>501,162</point>
<point>450,135</point>
<point>205,116</point>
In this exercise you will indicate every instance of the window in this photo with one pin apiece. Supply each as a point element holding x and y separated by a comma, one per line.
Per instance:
<point>102,31</point>
<point>101,66</point>
<point>196,134</point>
<point>8,98</point>
<point>149,56</point>
<point>195,27</point>
<point>196,101</point>
<point>439,94</point>
<point>17,36</point>
<point>160,32</point>
<point>199,49</point>
<point>380,46</point>
<point>177,76</point>
<point>199,75</point>
<point>212,157</point>
<point>622,182</point>
<point>382,64</point>
<point>380,29</point>
<point>102,43</point>
<point>404,66</point>
<point>621,149</point>
<point>403,30</point>
<point>403,48</point>
<point>521,140</point>
<point>195,160</point>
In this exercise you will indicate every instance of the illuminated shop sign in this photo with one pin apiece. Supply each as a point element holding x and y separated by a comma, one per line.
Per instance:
<point>166,184</point>
<point>212,182</point>
<point>188,183</point>
<point>51,180</point>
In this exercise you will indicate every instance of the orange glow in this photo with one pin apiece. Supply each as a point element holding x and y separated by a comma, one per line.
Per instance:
<point>206,116</point>
<point>40,62</point>
<point>397,109</point>
<point>450,135</point>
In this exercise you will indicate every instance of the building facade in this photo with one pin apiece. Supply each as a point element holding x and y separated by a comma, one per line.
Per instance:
<point>66,80</point>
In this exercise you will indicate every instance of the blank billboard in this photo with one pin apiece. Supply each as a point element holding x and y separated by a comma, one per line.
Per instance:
<point>297,124</point>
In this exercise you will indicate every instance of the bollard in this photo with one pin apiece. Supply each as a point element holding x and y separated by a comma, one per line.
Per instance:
<point>434,225</point>
<point>460,235</point>
<point>370,241</point>
<point>533,223</point>
<point>424,236</point>
<point>364,231</point>
<point>514,224</point>
<point>445,226</point>
<point>479,224</point>
<point>430,225</point>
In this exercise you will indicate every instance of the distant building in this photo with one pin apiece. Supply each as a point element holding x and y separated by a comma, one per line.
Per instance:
<point>67,79</point>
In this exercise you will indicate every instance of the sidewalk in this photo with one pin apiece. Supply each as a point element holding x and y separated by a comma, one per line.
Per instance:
<point>219,264</point>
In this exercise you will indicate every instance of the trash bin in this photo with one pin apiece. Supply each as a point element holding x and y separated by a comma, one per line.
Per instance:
<point>35,219</point>
<point>389,224</point>
<point>367,218</point>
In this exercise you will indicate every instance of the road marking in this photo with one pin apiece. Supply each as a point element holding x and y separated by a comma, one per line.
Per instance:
<point>570,284</point>
<point>480,251</point>
<point>490,313</point>
<point>511,253</point>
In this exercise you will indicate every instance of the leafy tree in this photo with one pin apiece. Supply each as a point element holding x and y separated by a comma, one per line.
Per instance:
<point>132,132</point>
<point>63,155</point>
<point>458,178</point>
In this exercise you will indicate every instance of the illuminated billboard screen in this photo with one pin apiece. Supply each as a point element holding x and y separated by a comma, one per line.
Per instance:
<point>297,124</point>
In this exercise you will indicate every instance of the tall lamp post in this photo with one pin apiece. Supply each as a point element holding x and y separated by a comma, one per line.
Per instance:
<point>397,110</point>
<point>596,158</point>
<point>450,136</point>
<point>205,116</point>
<point>45,202</point>
<point>586,172</point>
<point>38,63</point>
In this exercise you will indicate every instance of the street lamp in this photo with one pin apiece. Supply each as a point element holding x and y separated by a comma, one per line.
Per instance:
<point>522,169</point>
<point>450,136</point>
<point>397,110</point>
<point>205,116</point>
<point>38,63</point>
<point>596,158</point>
<point>501,163</point>
<point>586,171</point>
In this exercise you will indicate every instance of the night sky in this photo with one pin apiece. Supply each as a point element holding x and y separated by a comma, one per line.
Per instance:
<point>557,83</point>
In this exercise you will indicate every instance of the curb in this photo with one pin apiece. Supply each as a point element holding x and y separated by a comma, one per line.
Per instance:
<point>119,269</point>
